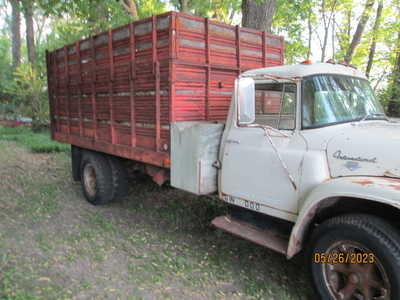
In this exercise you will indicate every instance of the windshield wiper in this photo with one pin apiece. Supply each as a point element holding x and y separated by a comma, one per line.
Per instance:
<point>374,115</point>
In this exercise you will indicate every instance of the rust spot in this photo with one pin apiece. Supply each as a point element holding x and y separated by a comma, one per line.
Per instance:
<point>395,187</point>
<point>364,182</point>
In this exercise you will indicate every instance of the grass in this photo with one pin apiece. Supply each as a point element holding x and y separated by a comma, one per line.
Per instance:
<point>156,244</point>
<point>35,142</point>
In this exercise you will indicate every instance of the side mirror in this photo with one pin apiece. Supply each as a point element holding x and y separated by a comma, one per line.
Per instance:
<point>245,89</point>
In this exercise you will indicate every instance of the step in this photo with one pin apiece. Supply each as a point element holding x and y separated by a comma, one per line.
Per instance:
<point>268,238</point>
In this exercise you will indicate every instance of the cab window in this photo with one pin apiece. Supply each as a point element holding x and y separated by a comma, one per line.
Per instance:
<point>276,105</point>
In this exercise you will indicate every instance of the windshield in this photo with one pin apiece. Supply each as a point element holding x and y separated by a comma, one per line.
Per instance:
<point>331,99</point>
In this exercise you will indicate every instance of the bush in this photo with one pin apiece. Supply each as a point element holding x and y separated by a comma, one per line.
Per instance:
<point>30,90</point>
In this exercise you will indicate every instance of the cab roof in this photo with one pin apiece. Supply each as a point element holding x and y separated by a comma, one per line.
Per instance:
<point>302,70</point>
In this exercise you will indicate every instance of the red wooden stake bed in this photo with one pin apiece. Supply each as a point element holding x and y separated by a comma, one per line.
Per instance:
<point>117,92</point>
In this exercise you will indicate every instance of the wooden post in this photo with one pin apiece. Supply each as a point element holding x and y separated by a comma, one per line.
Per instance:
<point>66,84</point>
<point>156,70</point>
<point>111,86</point>
<point>78,55</point>
<point>208,64</point>
<point>239,59</point>
<point>264,49</point>
<point>93,88</point>
<point>132,78</point>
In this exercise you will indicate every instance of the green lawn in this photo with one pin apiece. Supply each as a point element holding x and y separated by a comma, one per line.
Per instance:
<point>35,142</point>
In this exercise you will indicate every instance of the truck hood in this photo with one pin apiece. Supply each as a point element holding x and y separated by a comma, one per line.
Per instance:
<point>366,149</point>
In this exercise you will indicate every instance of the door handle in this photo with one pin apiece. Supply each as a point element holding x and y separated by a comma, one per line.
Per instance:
<point>229,141</point>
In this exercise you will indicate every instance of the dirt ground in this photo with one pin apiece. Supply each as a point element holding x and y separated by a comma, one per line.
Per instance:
<point>156,244</point>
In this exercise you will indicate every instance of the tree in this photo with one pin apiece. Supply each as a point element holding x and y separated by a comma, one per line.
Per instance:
<point>258,14</point>
<point>294,19</point>
<point>131,8</point>
<point>343,29</point>
<point>184,6</point>
<point>394,87</point>
<point>327,11</point>
<point>30,31</point>
<point>374,38</point>
<point>359,31</point>
<point>16,33</point>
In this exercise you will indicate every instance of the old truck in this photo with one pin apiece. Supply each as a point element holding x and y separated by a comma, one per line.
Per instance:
<point>304,153</point>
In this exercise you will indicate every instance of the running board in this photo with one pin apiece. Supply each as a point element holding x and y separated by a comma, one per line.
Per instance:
<point>267,238</point>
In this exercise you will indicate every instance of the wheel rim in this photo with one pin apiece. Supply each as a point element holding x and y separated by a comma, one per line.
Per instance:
<point>355,281</point>
<point>89,180</point>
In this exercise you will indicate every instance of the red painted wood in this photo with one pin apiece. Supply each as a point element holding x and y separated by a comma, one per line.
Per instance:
<point>66,83</point>
<point>78,52</point>
<point>132,78</point>
<point>123,88</point>
<point>93,87</point>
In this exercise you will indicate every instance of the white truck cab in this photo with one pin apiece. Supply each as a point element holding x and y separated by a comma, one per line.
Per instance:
<point>307,146</point>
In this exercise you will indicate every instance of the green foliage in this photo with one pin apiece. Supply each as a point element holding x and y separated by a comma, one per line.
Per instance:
<point>35,142</point>
<point>6,70</point>
<point>289,22</point>
<point>220,10</point>
<point>30,91</point>
<point>147,8</point>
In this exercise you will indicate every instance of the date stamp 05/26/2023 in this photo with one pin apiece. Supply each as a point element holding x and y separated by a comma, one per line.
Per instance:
<point>347,258</point>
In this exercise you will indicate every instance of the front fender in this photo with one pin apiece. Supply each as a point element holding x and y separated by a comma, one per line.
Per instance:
<point>378,189</point>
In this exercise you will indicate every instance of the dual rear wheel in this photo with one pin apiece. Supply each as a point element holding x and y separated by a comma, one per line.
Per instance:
<point>103,178</point>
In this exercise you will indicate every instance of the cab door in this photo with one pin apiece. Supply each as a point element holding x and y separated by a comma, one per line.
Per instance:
<point>263,173</point>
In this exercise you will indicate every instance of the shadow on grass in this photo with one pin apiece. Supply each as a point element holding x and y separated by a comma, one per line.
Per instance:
<point>199,248</point>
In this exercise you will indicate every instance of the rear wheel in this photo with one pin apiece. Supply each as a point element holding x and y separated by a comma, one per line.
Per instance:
<point>356,257</point>
<point>96,178</point>
<point>119,177</point>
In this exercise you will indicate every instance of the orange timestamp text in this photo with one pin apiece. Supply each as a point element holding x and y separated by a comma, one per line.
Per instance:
<point>340,258</point>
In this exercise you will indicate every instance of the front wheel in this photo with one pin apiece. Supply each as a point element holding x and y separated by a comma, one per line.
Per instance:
<point>356,257</point>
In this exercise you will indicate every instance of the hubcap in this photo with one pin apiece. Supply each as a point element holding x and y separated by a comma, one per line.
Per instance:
<point>89,180</point>
<point>356,279</point>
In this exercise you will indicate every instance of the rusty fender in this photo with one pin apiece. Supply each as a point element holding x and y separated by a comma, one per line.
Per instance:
<point>378,189</point>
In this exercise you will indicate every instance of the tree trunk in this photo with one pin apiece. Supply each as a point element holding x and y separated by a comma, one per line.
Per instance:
<point>393,105</point>
<point>309,35</point>
<point>396,71</point>
<point>131,8</point>
<point>30,32</point>
<point>333,36</point>
<point>184,6</point>
<point>258,14</point>
<point>359,31</point>
<point>374,38</point>
<point>324,45</point>
<point>16,33</point>
<point>327,20</point>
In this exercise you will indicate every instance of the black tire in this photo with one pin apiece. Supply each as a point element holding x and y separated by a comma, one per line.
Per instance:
<point>76,161</point>
<point>96,178</point>
<point>358,234</point>
<point>119,178</point>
